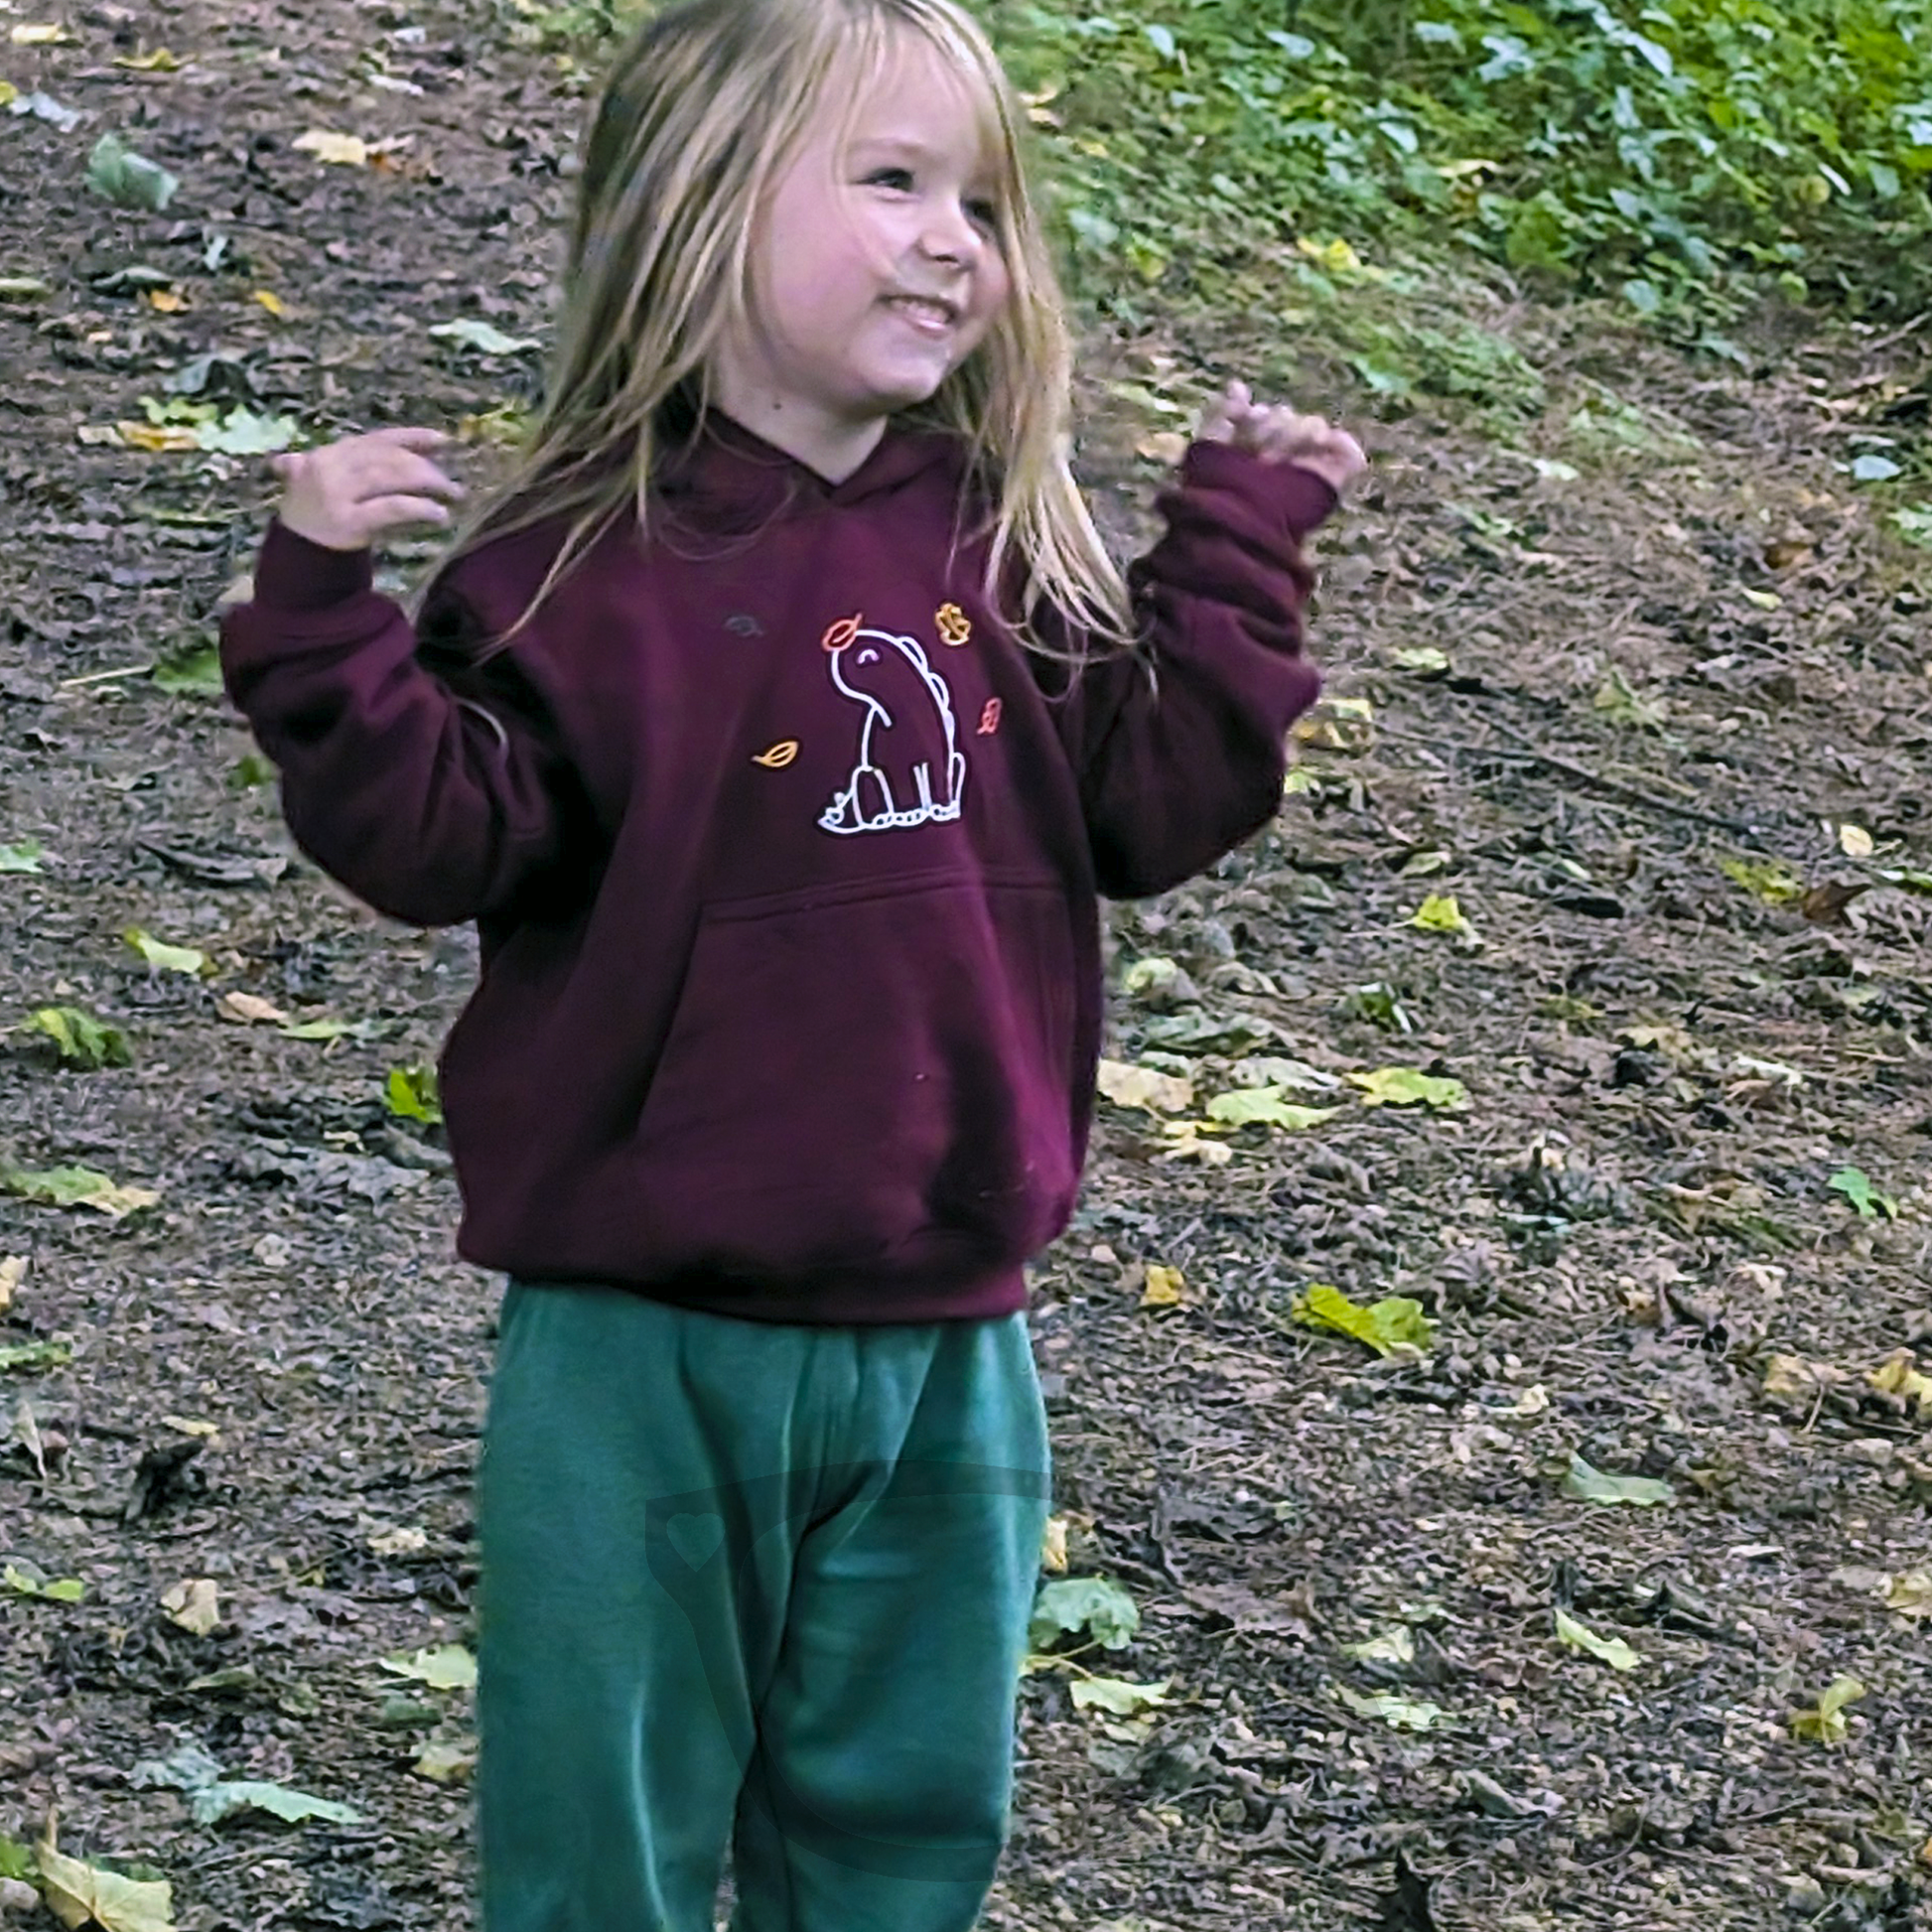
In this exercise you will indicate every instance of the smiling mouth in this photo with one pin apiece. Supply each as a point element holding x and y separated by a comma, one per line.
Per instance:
<point>928,314</point>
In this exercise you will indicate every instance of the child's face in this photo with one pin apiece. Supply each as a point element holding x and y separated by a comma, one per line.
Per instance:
<point>877,266</point>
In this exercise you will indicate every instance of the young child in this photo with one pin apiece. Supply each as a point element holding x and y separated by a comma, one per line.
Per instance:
<point>778,724</point>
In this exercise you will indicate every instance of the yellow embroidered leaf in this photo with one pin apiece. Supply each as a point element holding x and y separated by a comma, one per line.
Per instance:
<point>779,755</point>
<point>953,625</point>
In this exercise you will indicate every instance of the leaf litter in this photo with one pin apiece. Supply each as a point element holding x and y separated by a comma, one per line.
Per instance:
<point>1208,1453</point>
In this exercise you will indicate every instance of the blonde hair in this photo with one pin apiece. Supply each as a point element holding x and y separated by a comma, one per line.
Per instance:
<point>705,108</point>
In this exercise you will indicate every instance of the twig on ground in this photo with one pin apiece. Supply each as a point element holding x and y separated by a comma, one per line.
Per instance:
<point>1528,750</point>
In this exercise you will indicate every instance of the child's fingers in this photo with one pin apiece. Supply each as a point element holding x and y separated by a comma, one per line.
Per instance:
<point>1217,425</point>
<point>379,512</point>
<point>396,471</point>
<point>407,437</point>
<point>1226,417</point>
<point>1282,432</point>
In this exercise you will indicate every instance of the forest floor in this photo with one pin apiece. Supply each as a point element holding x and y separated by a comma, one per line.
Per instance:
<point>1623,662</point>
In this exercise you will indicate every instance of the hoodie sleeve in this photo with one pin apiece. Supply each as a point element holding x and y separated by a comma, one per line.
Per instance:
<point>434,795</point>
<point>1179,748</point>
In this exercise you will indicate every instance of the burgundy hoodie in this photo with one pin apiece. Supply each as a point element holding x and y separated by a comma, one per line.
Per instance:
<point>783,857</point>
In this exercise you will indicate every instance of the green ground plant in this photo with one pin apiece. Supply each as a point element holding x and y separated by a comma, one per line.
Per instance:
<point>1668,153</point>
<point>1675,155</point>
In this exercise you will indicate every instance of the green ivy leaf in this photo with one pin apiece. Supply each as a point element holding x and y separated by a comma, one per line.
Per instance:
<point>1408,1086</point>
<point>1593,1485</point>
<point>1386,1325</point>
<point>412,1094</point>
<point>1069,1605</point>
<point>1117,1696</point>
<point>81,1037</point>
<point>1856,1185</point>
<point>74,1187</point>
<point>450,1667</point>
<point>1610,1650</point>
<point>194,673</point>
<point>127,179</point>
<point>1824,1723</point>
<point>163,957</point>
<point>1266,1107</point>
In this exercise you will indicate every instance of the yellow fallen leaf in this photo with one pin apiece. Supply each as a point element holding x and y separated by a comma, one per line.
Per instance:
<point>1052,1547</point>
<point>248,1008</point>
<point>1610,1650</point>
<point>80,1894</point>
<point>158,61</point>
<point>1162,445</point>
<point>166,302</point>
<point>1910,1593</point>
<point>403,1540</point>
<point>1336,256</point>
<point>446,1763</point>
<point>1184,1143</point>
<point>1792,1379</point>
<point>273,303</point>
<point>1855,842</point>
<point>1824,1723</point>
<point>1439,912</point>
<point>1126,1085</point>
<point>340,150</point>
<point>156,436</point>
<point>450,1668</point>
<point>1392,1323</point>
<point>13,1271</point>
<point>194,1605</point>
<point>40,34</point>
<point>1166,1287</point>
<point>1899,1374</point>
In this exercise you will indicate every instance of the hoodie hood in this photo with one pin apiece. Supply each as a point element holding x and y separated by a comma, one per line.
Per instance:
<point>726,479</point>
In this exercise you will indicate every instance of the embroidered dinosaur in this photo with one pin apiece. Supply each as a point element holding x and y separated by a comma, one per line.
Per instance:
<point>908,769</point>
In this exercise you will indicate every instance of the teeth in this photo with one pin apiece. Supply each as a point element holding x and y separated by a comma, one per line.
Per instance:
<point>920,307</point>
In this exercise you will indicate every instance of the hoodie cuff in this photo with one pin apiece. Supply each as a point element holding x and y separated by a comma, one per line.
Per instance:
<point>294,574</point>
<point>1298,497</point>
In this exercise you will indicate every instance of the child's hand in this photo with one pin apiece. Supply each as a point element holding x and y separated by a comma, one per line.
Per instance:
<point>1276,433</point>
<point>347,494</point>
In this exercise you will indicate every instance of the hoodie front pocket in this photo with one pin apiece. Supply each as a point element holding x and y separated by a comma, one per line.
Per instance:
<point>871,1078</point>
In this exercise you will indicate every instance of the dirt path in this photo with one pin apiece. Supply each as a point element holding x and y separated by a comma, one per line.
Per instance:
<point>1675,1226</point>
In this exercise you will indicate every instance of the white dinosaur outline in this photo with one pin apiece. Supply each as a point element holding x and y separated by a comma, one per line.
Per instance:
<point>846,814</point>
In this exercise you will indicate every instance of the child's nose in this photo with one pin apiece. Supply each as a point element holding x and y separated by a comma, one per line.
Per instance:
<point>952,237</point>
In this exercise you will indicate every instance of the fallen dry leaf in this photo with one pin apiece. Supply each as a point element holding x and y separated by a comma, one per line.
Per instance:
<point>339,150</point>
<point>194,1605</point>
<point>1164,1288</point>
<point>249,1010</point>
<point>79,1895</point>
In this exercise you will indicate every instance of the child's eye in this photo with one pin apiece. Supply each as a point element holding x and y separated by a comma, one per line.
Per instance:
<point>986,214</point>
<point>898,178</point>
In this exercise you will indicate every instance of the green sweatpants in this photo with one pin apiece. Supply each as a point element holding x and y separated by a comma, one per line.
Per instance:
<point>755,1588</point>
